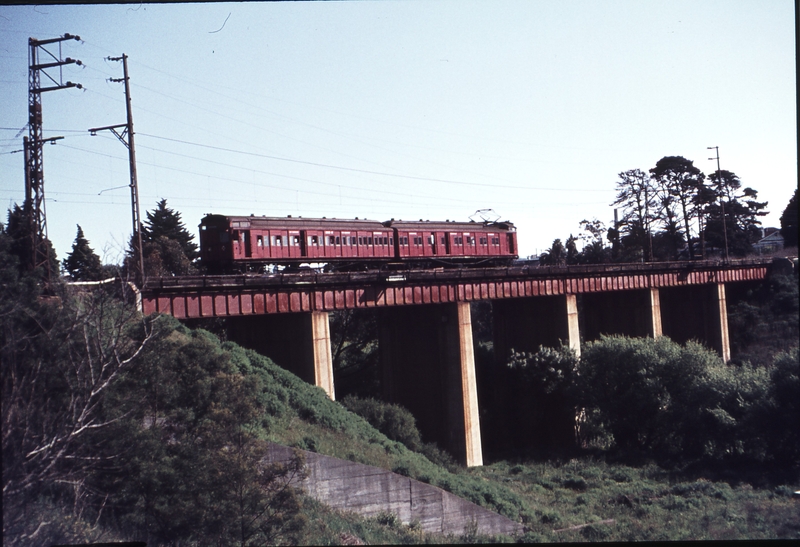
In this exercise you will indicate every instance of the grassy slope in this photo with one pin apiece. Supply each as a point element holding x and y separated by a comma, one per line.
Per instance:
<point>645,503</point>
<point>301,415</point>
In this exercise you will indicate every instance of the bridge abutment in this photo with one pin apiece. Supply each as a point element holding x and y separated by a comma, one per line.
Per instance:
<point>298,342</point>
<point>428,366</point>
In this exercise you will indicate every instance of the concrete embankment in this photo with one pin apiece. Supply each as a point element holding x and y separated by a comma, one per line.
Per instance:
<point>368,491</point>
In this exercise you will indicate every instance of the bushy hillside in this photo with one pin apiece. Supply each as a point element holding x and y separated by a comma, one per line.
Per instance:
<point>118,426</point>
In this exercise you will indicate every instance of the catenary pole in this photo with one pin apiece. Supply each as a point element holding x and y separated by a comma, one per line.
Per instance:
<point>722,201</point>
<point>126,137</point>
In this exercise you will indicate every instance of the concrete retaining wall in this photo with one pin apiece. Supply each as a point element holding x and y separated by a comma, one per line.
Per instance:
<point>367,490</point>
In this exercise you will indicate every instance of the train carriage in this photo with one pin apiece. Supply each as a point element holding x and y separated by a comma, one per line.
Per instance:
<point>456,242</point>
<point>239,243</point>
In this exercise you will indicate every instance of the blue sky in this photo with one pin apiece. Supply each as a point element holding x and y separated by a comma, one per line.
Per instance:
<point>399,109</point>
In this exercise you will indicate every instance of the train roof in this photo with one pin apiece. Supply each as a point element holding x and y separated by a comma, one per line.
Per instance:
<point>440,226</point>
<point>296,223</point>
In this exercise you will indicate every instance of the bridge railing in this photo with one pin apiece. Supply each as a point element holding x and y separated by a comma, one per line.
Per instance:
<point>439,274</point>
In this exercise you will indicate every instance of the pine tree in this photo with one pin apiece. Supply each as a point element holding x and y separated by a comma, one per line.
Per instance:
<point>165,222</point>
<point>83,264</point>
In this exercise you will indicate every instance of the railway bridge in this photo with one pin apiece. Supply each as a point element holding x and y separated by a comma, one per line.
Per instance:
<point>425,327</point>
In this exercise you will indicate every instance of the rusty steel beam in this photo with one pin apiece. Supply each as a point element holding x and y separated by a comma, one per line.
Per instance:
<point>234,296</point>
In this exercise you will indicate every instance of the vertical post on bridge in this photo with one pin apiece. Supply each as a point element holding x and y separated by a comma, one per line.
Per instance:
<point>428,366</point>
<point>697,312</point>
<point>298,342</point>
<point>323,357</point>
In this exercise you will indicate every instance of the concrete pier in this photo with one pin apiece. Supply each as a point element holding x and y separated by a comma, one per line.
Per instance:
<point>698,312</point>
<point>298,342</point>
<point>428,366</point>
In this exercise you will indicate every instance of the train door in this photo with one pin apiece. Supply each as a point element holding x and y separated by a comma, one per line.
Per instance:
<point>432,244</point>
<point>511,246</point>
<point>277,243</point>
<point>444,242</point>
<point>236,244</point>
<point>248,249</point>
<point>346,249</point>
<point>456,244</point>
<point>303,243</point>
<point>328,244</point>
<point>469,244</point>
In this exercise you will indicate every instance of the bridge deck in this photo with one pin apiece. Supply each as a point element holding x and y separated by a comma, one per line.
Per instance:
<point>236,295</point>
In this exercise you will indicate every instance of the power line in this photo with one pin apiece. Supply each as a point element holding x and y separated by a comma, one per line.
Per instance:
<point>366,171</point>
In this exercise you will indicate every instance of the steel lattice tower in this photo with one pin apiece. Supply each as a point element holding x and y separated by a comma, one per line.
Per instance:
<point>34,165</point>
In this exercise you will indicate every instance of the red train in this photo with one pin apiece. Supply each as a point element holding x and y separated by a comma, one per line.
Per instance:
<point>234,243</point>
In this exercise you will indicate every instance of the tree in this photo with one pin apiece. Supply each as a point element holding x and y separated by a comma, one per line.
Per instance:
<point>594,250</point>
<point>194,470</point>
<point>354,345</point>
<point>789,222</point>
<point>165,222</point>
<point>543,395</point>
<point>670,401</point>
<point>732,217</point>
<point>59,357</point>
<point>82,264</point>
<point>167,245</point>
<point>18,229</point>
<point>555,255</point>
<point>680,183</point>
<point>573,256</point>
<point>636,194</point>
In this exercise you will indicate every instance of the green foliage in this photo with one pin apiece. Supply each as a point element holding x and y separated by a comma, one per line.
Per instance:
<point>20,244</point>
<point>789,225</point>
<point>618,502</point>
<point>83,264</point>
<point>167,246</point>
<point>556,255</point>
<point>540,393</point>
<point>394,421</point>
<point>765,321</point>
<point>354,345</point>
<point>165,222</point>
<point>656,398</point>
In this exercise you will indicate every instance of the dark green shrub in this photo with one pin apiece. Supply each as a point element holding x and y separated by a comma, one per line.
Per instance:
<point>776,420</point>
<point>667,401</point>
<point>394,421</point>
<point>542,396</point>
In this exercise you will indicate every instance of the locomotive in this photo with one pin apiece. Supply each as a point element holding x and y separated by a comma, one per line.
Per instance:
<point>241,243</point>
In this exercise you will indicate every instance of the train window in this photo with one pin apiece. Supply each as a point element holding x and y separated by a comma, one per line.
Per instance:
<point>259,241</point>
<point>459,240</point>
<point>295,240</point>
<point>338,240</point>
<point>483,241</point>
<point>470,240</point>
<point>391,241</point>
<point>370,241</point>
<point>313,240</point>
<point>444,240</point>
<point>404,241</point>
<point>495,241</point>
<point>431,239</point>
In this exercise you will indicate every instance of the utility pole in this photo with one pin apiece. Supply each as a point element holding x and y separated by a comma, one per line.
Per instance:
<point>722,201</point>
<point>34,207</point>
<point>126,137</point>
